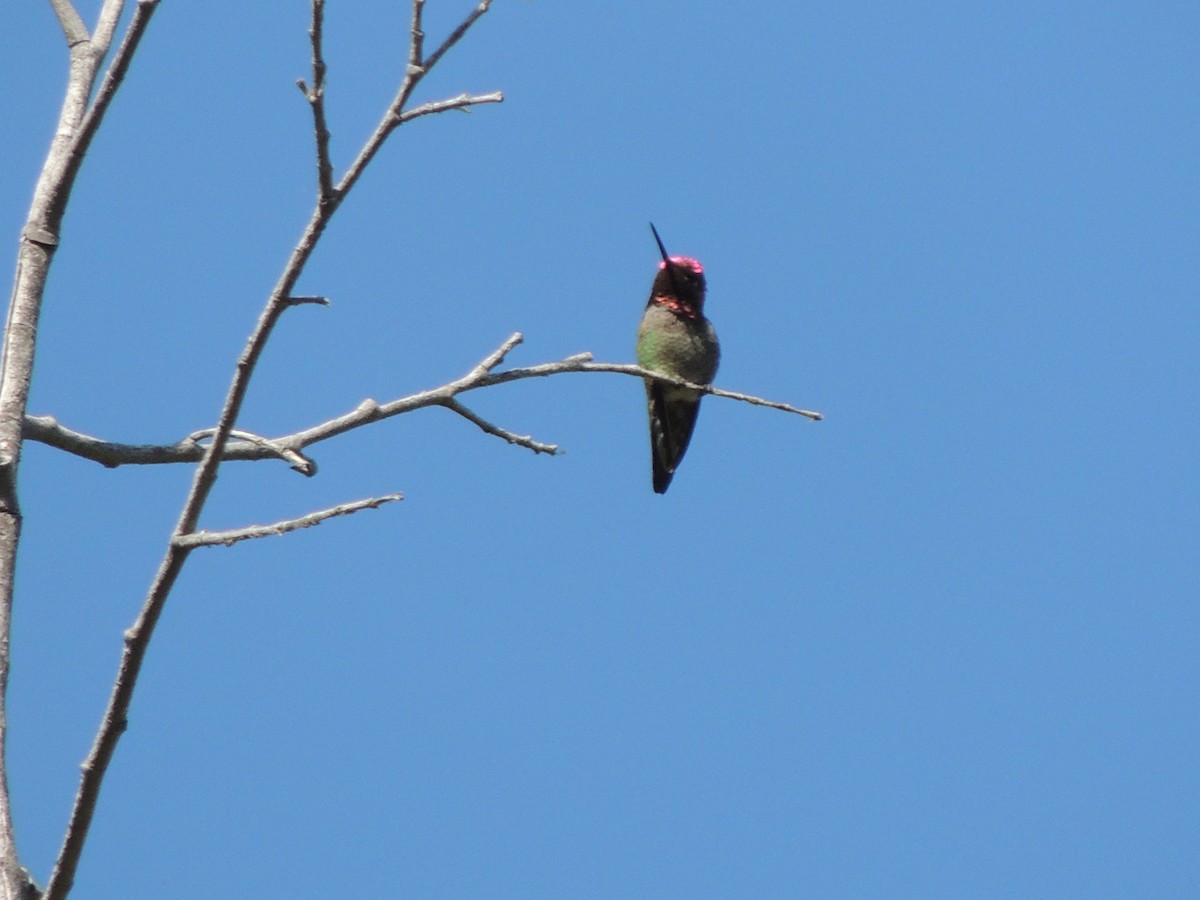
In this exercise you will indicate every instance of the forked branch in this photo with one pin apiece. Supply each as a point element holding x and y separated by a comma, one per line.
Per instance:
<point>182,540</point>
<point>248,446</point>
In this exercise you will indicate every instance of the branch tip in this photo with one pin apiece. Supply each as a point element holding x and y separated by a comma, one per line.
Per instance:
<point>497,356</point>
<point>299,300</point>
<point>521,440</point>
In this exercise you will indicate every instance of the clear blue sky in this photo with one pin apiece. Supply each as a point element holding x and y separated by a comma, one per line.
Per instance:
<point>945,643</point>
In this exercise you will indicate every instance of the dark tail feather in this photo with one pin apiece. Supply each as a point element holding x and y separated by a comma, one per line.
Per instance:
<point>662,477</point>
<point>671,424</point>
<point>660,439</point>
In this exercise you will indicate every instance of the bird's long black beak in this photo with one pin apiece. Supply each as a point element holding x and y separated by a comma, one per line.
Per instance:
<point>667,264</point>
<point>661,248</point>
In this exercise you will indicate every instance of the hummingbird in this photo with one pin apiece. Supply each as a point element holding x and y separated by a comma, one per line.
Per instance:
<point>674,338</point>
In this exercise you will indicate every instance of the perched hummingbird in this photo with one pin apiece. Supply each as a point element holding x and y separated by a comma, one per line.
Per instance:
<point>675,339</point>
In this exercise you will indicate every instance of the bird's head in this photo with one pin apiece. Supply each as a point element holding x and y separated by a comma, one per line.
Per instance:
<point>679,277</point>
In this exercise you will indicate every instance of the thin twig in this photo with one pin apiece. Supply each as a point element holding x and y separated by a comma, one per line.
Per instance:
<point>250,532</point>
<point>521,440</point>
<point>418,68</point>
<point>416,44</point>
<point>639,372</point>
<point>116,69</point>
<point>462,101</point>
<point>497,356</point>
<point>455,36</point>
<point>316,99</point>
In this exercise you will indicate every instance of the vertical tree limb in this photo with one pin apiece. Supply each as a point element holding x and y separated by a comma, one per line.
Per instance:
<point>77,124</point>
<point>137,638</point>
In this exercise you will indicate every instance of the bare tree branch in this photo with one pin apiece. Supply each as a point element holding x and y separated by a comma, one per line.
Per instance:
<point>454,37</point>
<point>82,115</point>
<point>418,68</point>
<point>639,372</point>
<point>109,16</point>
<point>316,99</point>
<point>138,637</point>
<point>462,101</point>
<point>416,43</point>
<point>234,535</point>
<point>244,446</point>
<point>78,120</point>
<point>72,25</point>
<point>248,446</point>
<point>521,440</point>
<point>292,457</point>
<point>106,26</point>
<point>497,356</point>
